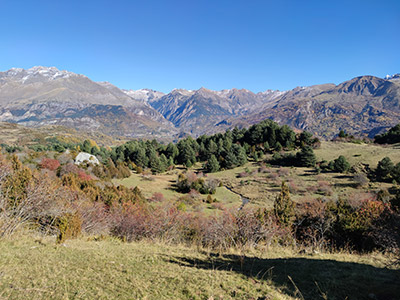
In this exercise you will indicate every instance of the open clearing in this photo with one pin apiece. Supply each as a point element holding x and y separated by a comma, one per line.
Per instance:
<point>358,153</point>
<point>261,183</point>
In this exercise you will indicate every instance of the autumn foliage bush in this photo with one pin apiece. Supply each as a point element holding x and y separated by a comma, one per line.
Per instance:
<point>50,164</point>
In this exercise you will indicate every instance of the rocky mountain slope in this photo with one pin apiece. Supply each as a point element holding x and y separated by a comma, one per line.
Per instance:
<point>47,96</point>
<point>364,105</point>
<point>39,96</point>
<point>202,111</point>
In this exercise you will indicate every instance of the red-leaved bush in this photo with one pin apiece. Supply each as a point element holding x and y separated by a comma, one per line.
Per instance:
<point>49,163</point>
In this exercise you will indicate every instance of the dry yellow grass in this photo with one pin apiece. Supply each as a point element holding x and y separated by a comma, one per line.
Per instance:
<point>109,269</point>
<point>358,153</point>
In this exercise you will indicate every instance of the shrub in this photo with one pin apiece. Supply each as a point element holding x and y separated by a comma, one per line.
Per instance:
<point>69,226</point>
<point>314,223</point>
<point>324,188</point>
<point>360,179</point>
<point>50,164</point>
<point>157,197</point>
<point>210,199</point>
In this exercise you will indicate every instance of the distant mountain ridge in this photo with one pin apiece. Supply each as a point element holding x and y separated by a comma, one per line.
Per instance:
<point>47,96</point>
<point>39,96</point>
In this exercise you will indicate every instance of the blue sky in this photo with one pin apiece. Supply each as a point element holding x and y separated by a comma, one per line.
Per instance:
<point>163,45</point>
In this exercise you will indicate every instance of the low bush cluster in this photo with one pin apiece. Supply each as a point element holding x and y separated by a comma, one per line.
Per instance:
<point>190,181</point>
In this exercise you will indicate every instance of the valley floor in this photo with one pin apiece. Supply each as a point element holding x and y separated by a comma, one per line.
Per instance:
<point>109,269</point>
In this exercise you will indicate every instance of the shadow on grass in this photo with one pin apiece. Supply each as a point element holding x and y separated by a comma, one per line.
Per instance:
<point>313,278</point>
<point>343,176</point>
<point>346,185</point>
<point>309,173</point>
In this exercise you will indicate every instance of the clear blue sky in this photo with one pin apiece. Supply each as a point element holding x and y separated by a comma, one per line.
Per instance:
<point>163,45</point>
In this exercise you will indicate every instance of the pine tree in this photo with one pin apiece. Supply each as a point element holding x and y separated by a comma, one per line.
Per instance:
<point>172,151</point>
<point>341,164</point>
<point>284,206</point>
<point>395,173</point>
<point>342,134</point>
<point>278,147</point>
<point>140,158</point>
<point>230,160</point>
<point>212,165</point>
<point>154,162</point>
<point>384,169</point>
<point>306,157</point>
<point>305,138</point>
<point>266,147</point>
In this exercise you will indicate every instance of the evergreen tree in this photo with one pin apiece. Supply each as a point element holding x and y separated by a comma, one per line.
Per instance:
<point>140,158</point>
<point>284,206</point>
<point>187,155</point>
<point>86,146</point>
<point>390,137</point>
<point>384,169</point>
<point>212,148</point>
<point>230,160</point>
<point>172,151</point>
<point>155,164</point>
<point>306,157</point>
<point>342,134</point>
<point>278,147</point>
<point>164,162</point>
<point>240,154</point>
<point>340,164</point>
<point>272,138</point>
<point>212,165</point>
<point>305,138</point>
<point>395,173</point>
<point>266,147</point>
<point>227,142</point>
<point>170,162</point>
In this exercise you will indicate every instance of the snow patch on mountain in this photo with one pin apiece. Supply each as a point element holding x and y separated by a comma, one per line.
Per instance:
<point>25,76</point>
<point>144,95</point>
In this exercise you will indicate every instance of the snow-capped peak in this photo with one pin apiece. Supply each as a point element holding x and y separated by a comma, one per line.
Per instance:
<point>50,73</point>
<point>394,76</point>
<point>143,94</point>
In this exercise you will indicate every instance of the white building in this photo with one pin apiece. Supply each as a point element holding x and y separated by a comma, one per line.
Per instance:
<point>86,157</point>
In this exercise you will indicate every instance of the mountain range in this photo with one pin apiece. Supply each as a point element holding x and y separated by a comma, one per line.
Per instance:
<point>39,96</point>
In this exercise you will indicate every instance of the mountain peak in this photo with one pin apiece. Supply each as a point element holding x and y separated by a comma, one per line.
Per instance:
<point>26,75</point>
<point>144,94</point>
<point>394,76</point>
<point>361,85</point>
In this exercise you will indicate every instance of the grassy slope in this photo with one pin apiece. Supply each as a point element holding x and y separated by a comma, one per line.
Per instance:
<point>355,153</point>
<point>164,183</point>
<point>14,134</point>
<point>113,270</point>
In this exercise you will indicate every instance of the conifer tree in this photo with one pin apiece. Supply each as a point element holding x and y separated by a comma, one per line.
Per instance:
<point>384,169</point>
<point>212,165</point>
<point>341,164</point>
<point>306,157</point>
<point>284,206</point>
<point>278,147</point>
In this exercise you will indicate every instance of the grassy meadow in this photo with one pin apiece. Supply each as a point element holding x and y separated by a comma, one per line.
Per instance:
<point>261,183</point>
<point>109,269</point>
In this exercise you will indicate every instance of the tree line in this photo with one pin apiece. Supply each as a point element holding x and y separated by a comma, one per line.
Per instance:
<point>219,151</point>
